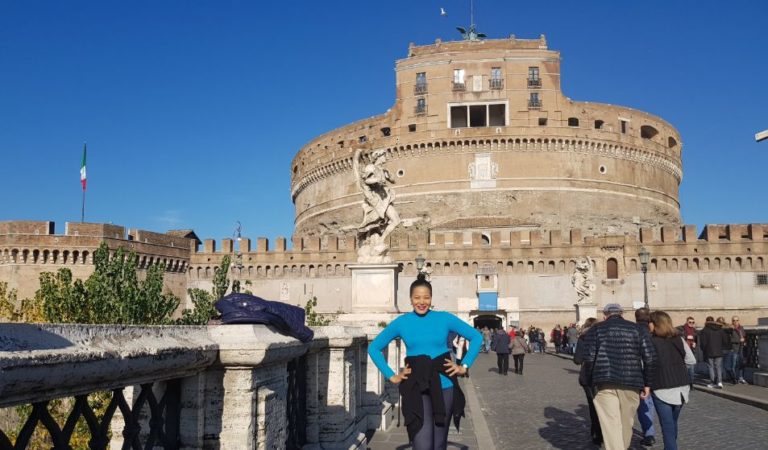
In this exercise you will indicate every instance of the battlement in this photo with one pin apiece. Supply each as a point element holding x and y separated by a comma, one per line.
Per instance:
<point>494,238</point>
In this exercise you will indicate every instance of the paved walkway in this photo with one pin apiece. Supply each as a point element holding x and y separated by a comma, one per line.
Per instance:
<point>545,409</point>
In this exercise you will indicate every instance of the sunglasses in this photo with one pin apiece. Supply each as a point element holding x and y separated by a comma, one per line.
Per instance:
<point>691,322</point>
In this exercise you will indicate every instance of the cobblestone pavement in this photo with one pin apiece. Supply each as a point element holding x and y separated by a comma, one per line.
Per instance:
<point>545,408</point>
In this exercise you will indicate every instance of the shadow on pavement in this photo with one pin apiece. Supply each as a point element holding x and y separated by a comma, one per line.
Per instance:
<point>567,430</point>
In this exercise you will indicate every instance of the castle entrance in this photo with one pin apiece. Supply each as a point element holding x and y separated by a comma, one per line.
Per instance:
<point>487,320</point>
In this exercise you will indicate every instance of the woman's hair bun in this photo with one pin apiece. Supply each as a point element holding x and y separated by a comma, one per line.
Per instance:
<point>421,276</point>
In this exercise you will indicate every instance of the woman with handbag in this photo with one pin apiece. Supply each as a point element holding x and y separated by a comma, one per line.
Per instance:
<point>518,348</point>
<point>670,381</point>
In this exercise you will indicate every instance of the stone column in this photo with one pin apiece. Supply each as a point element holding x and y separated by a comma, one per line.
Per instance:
<point>335,417</point>
<point>246,394</point>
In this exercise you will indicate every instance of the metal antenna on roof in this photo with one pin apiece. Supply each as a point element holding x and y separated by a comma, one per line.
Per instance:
<point>471,34</point>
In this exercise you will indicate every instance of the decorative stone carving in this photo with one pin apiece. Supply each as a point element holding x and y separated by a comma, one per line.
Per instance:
<point>582,278</point>
<point>379,215</point>
<point>483,171</point>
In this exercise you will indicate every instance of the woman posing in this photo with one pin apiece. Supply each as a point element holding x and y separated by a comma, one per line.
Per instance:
<point>428,385</point>
<point>585,380</point>
<point>670,383</point>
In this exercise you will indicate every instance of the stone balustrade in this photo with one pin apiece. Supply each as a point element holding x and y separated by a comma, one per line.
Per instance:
<point>215,387</point>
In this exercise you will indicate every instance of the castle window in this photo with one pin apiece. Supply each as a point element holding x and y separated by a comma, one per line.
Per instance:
<point>386,131</point>
<point>496,81</point>
<point>497,115</point>
<point>421,83</point>
<point>573,122</point>
<point>421,106</point>
<point>623,126</point>
<point>458,116</point>
<point>599,124</point>
<point>411,127</point>
<point>477,116</point>
<point>362,139</point>
<point>612,269</point>
<point>648,132</point>
<point>533,101</point>
<point>542,121</point>
<point>533,77</point>
<point>671,142</point>
<point>458,80</point>
<point>761,279</point>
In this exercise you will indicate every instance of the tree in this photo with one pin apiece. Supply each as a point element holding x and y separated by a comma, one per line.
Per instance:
<point>113,294</point>
<point>203,301</point>
<point>7,303</point>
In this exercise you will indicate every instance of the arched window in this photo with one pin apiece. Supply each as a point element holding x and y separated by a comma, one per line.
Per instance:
<point>573,122</point>
<point>648,132</point>
<point>612,269</point>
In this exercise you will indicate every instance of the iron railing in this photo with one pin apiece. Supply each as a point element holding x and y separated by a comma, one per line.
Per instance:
<point>752,347</point>
<point>496,83</point>
<point>534,104</point>
<point>459,86</point>
<point>420,88</point>
<point>534,82</point>
<point>163,423</point>
<point>297,404</point>
<point>420,110</point>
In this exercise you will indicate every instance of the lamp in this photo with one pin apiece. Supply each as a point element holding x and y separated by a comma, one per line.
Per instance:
<point>644,255</point>
<point>420,263</point>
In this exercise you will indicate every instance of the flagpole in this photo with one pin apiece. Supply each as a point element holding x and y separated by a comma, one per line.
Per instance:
<point>83,181</point>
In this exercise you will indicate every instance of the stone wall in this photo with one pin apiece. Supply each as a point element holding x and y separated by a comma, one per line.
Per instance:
<point>238,383</point>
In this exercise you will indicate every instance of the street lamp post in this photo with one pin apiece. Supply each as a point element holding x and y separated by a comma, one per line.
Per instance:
<point>420,264</point>
<point>644,257</point>
<point>238,262</point>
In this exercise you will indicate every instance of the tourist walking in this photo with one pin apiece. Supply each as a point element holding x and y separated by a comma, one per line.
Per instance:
<point>542,340</point>
<point>713,341</point>
<point>486,339</point>
<point>585,380</point>
<point>670,379</point>
<point>573,336</point>
<point>690,335</point>
<point>500,345</point>
<point>645,409</point>
<point>623,359</point>
<point>428,385</point>
<point>518,348</point>
<point>556,337</point>
<point>738,339</point>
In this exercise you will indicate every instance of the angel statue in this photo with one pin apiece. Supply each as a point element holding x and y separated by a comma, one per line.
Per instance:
<point>379,215</point>
<point>581,279</point>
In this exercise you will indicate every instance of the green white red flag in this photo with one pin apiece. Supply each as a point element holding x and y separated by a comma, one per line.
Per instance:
<point>82,169</point>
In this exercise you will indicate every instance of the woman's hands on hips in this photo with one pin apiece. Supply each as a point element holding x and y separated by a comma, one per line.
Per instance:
<point>399,377</point>
<point>454,369</point>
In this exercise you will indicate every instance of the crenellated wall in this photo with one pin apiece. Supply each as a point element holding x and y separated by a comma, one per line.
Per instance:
<point>28,249</point>
<point>714,271</point>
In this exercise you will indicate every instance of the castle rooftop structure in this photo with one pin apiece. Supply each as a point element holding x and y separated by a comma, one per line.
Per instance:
<point>481,133</point>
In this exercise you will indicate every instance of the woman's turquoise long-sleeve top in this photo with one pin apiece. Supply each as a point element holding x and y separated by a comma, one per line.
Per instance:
<point>425,335</point>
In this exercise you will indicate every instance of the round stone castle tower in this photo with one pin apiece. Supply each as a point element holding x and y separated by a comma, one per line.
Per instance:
<point>481,136</point>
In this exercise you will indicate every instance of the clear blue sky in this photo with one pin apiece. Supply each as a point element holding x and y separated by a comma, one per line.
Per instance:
<point>193,110</point>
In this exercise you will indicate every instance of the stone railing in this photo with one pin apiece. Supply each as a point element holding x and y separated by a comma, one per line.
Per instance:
<point>226,386</point>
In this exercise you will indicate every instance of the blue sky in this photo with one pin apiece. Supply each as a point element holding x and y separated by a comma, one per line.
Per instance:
<point>193,110</point>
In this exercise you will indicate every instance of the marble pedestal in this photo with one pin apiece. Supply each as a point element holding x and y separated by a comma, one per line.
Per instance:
<point>374,294</point>
<point>584,311</point>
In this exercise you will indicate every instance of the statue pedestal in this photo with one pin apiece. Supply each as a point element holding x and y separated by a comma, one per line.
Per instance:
<point>374,288</point>
<point>584,311</point>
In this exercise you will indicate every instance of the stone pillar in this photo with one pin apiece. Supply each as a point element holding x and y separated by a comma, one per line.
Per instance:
<point>246,393</point>
<point>376,403</point>
<point>584,311</point>
<point>335,417</point>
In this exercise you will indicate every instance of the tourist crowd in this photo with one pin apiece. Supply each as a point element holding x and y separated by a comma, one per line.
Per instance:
<point>641,368</point>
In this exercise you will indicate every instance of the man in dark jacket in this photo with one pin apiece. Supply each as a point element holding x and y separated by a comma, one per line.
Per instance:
<point>500,345</point>
<point>623,360</point>
<point>713,342</point>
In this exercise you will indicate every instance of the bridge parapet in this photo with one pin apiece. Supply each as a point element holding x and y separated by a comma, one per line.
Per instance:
<point>226,386</point>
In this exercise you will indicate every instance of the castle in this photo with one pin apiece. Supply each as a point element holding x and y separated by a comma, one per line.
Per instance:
<point>503,185</point>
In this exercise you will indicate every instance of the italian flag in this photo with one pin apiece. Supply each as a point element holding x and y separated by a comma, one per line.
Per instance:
<point>82,170</point>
